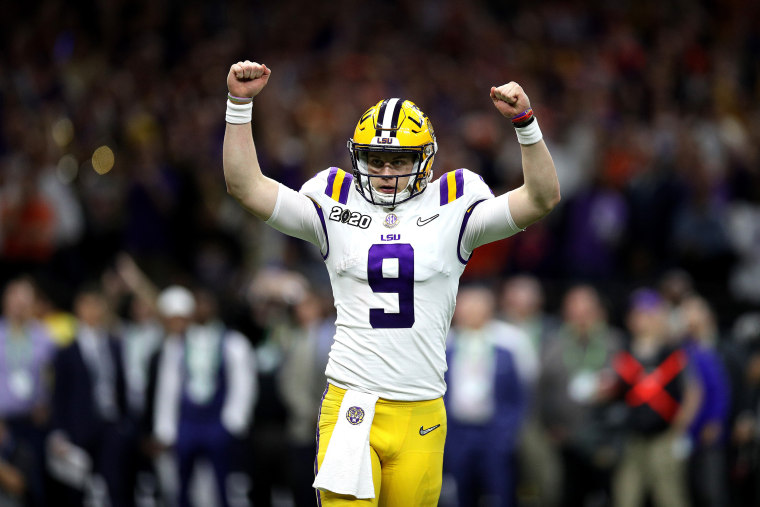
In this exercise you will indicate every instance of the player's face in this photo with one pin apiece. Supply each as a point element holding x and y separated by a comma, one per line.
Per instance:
<point>389,166</point>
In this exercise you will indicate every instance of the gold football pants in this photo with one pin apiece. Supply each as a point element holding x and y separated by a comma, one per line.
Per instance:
<point>406,447</point>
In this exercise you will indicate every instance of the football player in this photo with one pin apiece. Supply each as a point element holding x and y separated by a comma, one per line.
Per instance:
<point>395,243</point>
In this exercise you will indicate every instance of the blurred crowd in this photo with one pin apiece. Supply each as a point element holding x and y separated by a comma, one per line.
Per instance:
<point>111,192</point>
<point>148,397</point>
<point>571,408</point>
<point>140,396</point>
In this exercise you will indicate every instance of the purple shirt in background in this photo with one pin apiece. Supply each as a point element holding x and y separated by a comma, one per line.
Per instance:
<point>596,220</point>
<point>716,388</point>
<point>23,360</point>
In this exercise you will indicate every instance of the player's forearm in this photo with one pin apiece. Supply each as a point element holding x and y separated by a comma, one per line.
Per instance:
<point>245,181</point>
<point>540,177</point>
<point>539,193</point>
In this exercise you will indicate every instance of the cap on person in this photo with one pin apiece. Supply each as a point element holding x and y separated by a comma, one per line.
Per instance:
<point>176,301</point>
<point>646,299</point>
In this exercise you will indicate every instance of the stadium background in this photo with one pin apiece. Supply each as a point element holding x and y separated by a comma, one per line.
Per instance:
<point>112,119</point>
<point>652,105</point>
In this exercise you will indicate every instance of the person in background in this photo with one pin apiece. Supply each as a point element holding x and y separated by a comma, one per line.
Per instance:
<point>274,295</point>
<point>60,323</point>
<point>130,290</point>
<point>176,309</point>
<point>522,304</point>
<point>202,392</point>
<point>745,431</point>
<point>90,416</point>
<point>141,337</point>
<point>675,286</point>
<point>492,372</point>
<point>662,396</point>
<point>128,287</point>
<point>16,461</point>
<point>301,381</point>
<point>241,396</point>
<point>26,352</point>
<point>576,416</point>
<point>708,431</point>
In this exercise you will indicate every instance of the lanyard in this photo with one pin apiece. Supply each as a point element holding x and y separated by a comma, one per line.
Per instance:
<point>19,348</point>
<point>592,357</point>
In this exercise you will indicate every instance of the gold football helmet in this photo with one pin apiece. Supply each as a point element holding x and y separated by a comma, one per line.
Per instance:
<point>396,126</point>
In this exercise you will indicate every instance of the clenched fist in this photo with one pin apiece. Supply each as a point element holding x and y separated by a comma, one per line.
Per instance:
<point>510,99</point>
<point>247,79</point>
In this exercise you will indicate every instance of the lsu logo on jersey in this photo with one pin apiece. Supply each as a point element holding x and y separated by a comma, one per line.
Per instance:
<point>355,415</point>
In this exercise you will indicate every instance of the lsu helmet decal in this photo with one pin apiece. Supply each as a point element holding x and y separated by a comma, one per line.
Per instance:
<point>396,126</point>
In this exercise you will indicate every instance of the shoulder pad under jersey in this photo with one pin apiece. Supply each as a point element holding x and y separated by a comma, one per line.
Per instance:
<point>334,182</point>
<point>455,184</point>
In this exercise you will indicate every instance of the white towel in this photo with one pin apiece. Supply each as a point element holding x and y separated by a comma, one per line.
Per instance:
<point>347,467</point>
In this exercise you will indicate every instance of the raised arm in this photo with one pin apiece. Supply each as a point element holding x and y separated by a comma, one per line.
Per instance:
<point>539,193</point>
<point>245,181</point>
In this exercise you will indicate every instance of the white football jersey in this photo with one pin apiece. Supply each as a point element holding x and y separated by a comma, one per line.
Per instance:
<point>394,273</point>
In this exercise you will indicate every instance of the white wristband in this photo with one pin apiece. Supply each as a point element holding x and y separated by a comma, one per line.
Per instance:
<point>239,114</point>
<point>529,134</point>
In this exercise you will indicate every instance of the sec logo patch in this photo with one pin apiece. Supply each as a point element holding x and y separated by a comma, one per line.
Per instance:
<point>391,220</point>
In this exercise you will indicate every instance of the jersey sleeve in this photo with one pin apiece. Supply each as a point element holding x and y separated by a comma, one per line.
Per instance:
<point>487,218</point>
<point>299,215</point>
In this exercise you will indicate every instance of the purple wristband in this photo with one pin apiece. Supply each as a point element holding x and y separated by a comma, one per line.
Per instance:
<point>523,117</point>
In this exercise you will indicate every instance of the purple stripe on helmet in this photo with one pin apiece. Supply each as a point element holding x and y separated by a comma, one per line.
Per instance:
<point>380,116</point>
<point>394,118</point>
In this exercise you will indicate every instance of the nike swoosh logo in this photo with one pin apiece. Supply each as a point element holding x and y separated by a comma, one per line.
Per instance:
<point>424,431</point>
<point>422,222</point>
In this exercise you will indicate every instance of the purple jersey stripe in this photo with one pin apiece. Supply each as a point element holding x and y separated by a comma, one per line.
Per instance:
<point>444,189</point>
<point>484,181</point>
<point>466,219</point>
<point>324,228</point>
<point>331,181</point>
<point>316,456</point>
<point>345,187</point>
<point>459,177</point>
